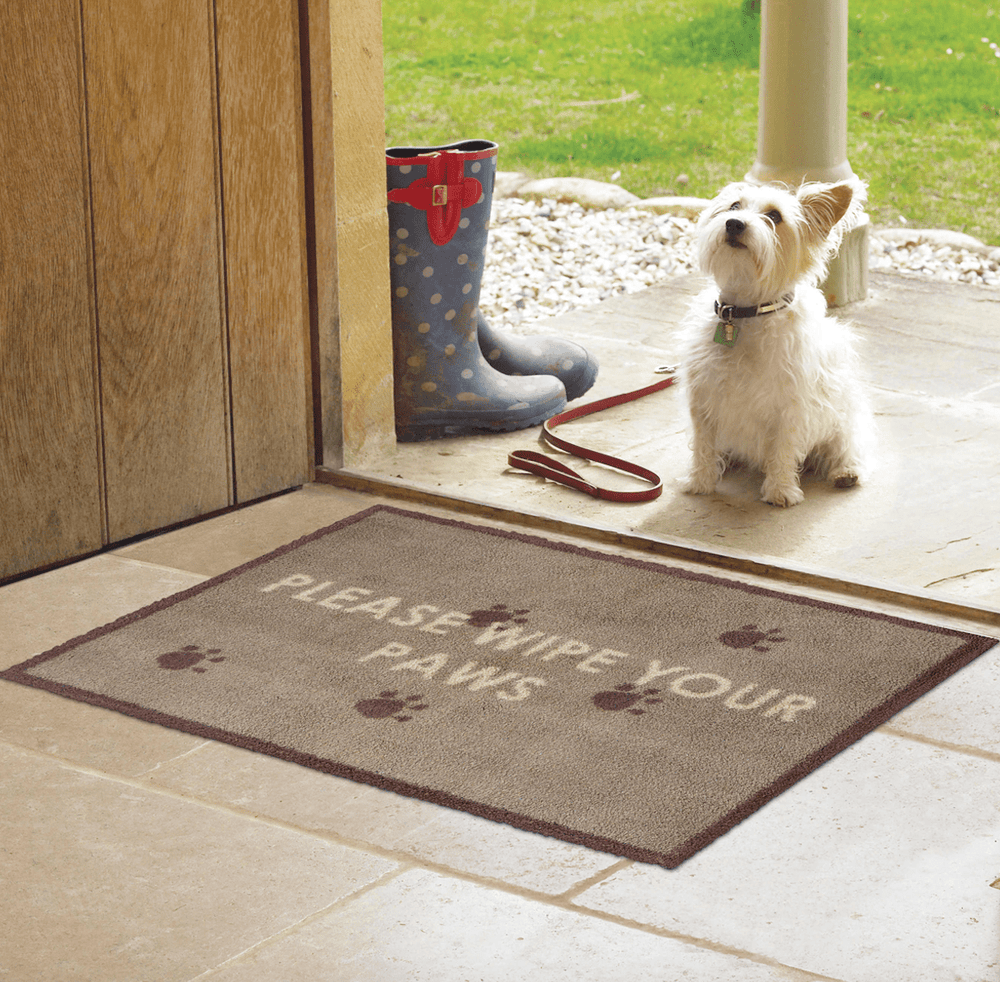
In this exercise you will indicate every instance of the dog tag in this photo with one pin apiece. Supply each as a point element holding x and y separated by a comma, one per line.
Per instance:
<point>726,333</point>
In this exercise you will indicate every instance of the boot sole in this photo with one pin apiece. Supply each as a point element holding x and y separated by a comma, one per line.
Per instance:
<point>415,432</point>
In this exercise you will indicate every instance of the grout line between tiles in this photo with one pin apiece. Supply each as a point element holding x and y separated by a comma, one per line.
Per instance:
<point>316,915</point>
<point>157,566</point>
<point>794,974</point>
<point>599,877</point>
<point>173,760</point>
<point>958,748</point>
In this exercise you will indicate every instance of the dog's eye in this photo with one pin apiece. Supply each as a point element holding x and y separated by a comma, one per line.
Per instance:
<point>775,216</point>
<point>735,206</point>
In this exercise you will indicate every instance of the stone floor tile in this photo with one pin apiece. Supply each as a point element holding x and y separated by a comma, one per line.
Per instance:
<point>423,927</point>
<point>222,543</point>
<point>86,735</point>
<point>103,880</point>
<point>42,611</point>
<point>426,832</point>
<point>962,710</point>
<point>876,867</point>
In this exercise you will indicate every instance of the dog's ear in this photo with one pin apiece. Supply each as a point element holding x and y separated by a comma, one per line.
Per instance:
<point>824,205</point>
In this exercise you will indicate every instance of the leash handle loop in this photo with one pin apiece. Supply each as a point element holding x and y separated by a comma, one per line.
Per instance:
<point>554,470</point>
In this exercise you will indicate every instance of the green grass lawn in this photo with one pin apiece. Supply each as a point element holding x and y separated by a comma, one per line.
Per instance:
<point>923,124</point>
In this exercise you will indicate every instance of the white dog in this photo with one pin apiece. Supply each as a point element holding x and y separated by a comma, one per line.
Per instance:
<point>771,380</point>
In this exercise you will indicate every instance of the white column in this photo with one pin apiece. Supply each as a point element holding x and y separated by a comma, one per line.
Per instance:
<point>802,120</point>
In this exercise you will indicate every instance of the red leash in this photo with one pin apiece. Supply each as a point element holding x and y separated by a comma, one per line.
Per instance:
<point>549,467</point>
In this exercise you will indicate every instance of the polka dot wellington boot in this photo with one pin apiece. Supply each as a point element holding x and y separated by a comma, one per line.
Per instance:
<point>575,367</point>
<point>439,213</point>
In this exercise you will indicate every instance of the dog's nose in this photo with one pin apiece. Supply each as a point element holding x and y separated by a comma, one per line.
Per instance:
<point>734,226</point>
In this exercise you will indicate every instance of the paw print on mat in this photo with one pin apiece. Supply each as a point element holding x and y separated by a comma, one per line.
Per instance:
<point>188,657</point>
<point>497,614</point>
<point>750,636</point>
<point>625,697</point>
<point>388,703</point>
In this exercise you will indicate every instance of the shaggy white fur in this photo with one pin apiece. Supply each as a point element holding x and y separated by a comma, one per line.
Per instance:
<point>785,395</point>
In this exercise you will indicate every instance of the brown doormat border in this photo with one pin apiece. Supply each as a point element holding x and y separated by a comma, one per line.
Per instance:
<point>963,649</point>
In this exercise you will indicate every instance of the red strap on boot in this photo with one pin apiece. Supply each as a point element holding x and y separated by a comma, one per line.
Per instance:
<point>443,193</point>
<point>549,467</point>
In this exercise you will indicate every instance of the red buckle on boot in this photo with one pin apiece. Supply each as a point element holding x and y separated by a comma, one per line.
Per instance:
<point>443,193</point>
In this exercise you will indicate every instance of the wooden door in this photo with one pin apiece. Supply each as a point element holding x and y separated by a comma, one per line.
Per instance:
<point>157,261</point>
<point>260,97</point>
<point>154,331</point>
<point>51,498</point>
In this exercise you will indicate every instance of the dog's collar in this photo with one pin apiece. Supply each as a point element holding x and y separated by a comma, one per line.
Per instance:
<point>729,312</point>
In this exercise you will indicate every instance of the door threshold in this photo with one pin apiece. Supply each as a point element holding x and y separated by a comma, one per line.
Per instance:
<point>928,605</point>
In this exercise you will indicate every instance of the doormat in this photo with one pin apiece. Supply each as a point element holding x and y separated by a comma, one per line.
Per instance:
<point>628,706</point>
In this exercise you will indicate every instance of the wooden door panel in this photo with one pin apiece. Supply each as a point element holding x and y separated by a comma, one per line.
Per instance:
<point>154,318</point>
<point>50,493</point>
<point>262,176</point>
<point>160,313</point>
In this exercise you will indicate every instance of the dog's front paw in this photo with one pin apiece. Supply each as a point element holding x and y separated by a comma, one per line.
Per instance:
<point>782,495</point>
<point>701,484</point>
<point>844,479</point>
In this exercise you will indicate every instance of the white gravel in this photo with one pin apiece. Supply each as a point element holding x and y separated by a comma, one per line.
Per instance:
<point>545,258</point>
